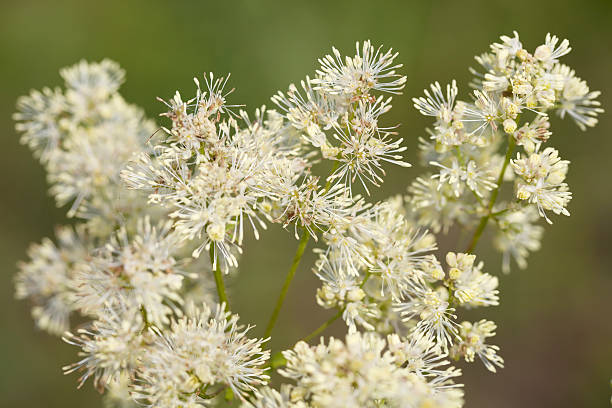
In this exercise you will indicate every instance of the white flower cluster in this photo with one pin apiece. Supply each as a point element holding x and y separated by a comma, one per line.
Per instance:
<point>510,107</point>
<point>199,349</point>
<point>338,113</point>
<point>472,344</point>
<point>47,278</point>
<point>83,136</point>
<point>217,172</point>
<point>213,175</point>
<point>124,268</point>
<point>151,203</point>
<point>367,371</point>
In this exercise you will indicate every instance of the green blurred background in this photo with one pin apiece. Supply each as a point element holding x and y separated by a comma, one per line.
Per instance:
<point>555,318</point>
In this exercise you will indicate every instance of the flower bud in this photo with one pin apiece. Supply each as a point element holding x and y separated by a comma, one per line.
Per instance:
<point>216,231</point>
<point>454,273</point>
<point>543,52</point>
<point>509,126</point>
<point>355,295</point>
<point>523,193</point>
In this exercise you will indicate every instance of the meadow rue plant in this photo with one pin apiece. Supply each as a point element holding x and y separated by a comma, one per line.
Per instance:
<point>159,328</point>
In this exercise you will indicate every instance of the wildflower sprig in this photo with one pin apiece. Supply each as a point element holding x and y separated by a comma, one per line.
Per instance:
<point>338,112</point>
<point>512,101</point>
<point>159,330</point>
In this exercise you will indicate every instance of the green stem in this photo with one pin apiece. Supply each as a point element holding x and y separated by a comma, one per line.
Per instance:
<point>218,278</point>
<point>277,360</point>
<point>281,297</point>
<point>485,219</point>
<point>296,262</point>
<point>365,279</point>
<point>324,326</point>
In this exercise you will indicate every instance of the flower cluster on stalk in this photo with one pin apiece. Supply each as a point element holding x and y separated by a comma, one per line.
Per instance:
<point>150,201</point>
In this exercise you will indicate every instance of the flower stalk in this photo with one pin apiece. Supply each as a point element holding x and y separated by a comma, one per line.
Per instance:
<point>218,278</point>
<point>288,279</point>
<point>485,218</point>
<point>158,334</point>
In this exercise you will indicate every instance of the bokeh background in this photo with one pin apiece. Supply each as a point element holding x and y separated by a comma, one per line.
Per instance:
<point>555,325</point>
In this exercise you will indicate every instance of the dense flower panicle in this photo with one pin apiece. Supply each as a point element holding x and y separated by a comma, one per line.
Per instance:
<point>110,347</point>
<point>370,69</point>
<point>396,282</point>
<point>542,175</point>
<point>46,278</point>
<point>138,274</point>
<point>463,146</point>
<point>538,81</point>
<point>381,265</point>
<point>342,290</point>
<point>362,372</point>
<point>339,114</point>
<point>382,274</point>
<point>513,99</point>
<point>156,335</point>
<point>201,349</point>
<point>215,174</point>
<point>83,136</point>
<point>210,173</point>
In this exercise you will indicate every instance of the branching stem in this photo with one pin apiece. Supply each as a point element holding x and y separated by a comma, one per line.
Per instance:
<point>335,317</point>
<point>296,262</point>
<point>218,278</point>
<point>324,326</point>
<point>485,219</point>
<point>283,293</point>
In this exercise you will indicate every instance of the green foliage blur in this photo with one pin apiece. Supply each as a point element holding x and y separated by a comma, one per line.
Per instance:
<point>555,325</point>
